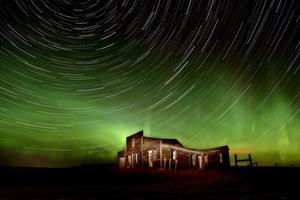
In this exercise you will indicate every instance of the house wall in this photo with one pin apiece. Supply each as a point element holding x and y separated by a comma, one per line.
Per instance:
<point>218,159</point>
<point>226,159</point>
<point>151,144</point>
<point>137,140</point>
<point>184,158</point>
<point>210,159</point>
<point>137,149</point>
<point>133,151</point>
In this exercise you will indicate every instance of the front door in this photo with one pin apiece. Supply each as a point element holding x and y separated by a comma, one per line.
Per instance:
<point>150,158</point>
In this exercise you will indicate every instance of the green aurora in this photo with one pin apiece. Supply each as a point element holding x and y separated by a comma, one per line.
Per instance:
<point>72,90</point>
<point>44,125</point>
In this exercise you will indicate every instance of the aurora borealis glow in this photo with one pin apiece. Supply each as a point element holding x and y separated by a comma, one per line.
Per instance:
<point>77,77</point>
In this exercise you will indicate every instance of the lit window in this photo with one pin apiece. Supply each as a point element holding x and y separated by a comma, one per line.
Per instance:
<point>174,154</point>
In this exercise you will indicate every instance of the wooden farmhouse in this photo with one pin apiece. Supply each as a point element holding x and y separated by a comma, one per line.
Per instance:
<point>149,152</point>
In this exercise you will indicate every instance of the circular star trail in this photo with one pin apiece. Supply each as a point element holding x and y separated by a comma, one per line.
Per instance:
<point>77,77</point>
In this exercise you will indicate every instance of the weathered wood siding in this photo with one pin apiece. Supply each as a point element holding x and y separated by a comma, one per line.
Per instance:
<point>226,159</point>
<point>137,150</point>
<point>137,140</point>
<point>151,144</point>
<point>213,160</point>
<point>134,146</point>
<point>183,158</point>
<point>218,159</point>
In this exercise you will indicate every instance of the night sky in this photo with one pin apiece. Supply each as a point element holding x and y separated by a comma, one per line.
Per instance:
<point>77,77</point>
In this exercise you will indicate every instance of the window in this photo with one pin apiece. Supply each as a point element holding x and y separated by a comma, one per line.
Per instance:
<point>132,142</point>
<point>174,154</point>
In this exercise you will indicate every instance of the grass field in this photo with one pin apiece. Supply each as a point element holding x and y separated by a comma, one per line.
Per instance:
<point>107,182</point>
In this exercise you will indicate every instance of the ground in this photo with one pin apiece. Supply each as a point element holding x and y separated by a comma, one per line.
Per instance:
<point>107,182</point>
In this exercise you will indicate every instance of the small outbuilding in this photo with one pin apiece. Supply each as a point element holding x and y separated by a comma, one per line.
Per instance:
<point>149,152</point>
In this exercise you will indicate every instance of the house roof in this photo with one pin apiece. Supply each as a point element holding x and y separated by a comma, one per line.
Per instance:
<point>172,142</point>
<point>166,140</point>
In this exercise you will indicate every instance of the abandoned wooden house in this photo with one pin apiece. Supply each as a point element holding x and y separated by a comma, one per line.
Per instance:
<point>149,152</point>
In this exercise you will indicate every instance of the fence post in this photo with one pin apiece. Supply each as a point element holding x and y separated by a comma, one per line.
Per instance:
<point>250,160</point>
<point>235,160</point>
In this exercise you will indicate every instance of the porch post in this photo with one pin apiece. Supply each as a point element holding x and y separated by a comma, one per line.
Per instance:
<point>160,154</point>
<point>142,151</point>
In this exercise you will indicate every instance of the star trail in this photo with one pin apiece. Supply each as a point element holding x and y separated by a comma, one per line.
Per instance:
<point>77,77</point>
